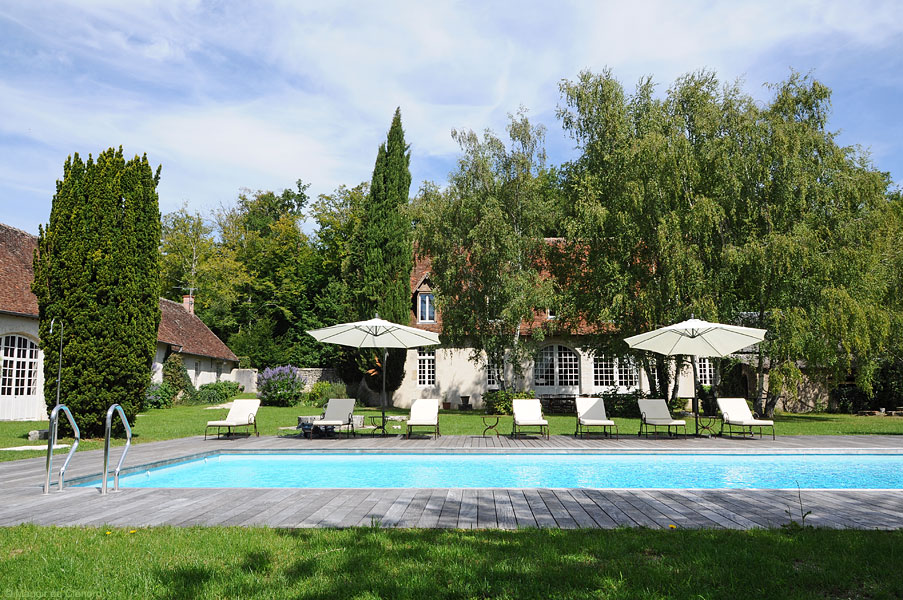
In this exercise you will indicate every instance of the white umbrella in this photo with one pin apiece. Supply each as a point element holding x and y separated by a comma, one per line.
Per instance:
<point>376,333</point>
<point>696,338</point>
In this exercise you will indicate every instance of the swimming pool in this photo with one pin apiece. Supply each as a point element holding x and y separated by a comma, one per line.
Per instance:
<point>668,471</point>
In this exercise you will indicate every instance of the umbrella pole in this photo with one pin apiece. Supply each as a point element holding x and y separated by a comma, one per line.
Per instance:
<point>383,399</point>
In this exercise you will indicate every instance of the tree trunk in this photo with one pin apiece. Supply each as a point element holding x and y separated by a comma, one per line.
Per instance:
<point>663,377</point>
<point>675,385</point>
<point>759,400</point>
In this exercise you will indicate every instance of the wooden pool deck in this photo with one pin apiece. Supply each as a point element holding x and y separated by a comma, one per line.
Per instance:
<point>22,500</point>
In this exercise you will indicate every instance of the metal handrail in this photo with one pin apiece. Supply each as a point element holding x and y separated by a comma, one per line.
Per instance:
<point>106,447</point>
<point>51,442</point>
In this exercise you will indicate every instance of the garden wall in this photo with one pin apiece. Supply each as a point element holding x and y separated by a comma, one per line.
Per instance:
<point>314,375</point>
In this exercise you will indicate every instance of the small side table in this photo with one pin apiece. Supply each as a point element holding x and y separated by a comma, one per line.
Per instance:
<point>706,426</point>
<point>491,422</point>
<point>379,422</point>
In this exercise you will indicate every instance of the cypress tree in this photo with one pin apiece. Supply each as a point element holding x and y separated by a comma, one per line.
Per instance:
<point>97,272</point>
<point>382,253</point>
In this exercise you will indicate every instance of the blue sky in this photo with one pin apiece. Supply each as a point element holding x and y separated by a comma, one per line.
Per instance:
<point>232,95</point>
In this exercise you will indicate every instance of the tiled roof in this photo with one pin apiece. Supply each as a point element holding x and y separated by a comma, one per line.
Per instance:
<point>177,326</point>
<point>421,270</point>
<point>16,271</point>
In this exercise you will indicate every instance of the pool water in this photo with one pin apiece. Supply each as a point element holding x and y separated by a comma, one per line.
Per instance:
<point>743,471</point>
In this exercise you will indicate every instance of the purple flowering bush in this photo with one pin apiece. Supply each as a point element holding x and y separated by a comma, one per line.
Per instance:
<point>280,386</point>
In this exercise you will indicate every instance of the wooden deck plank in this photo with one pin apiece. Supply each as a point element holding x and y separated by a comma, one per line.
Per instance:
<point>467,515</point>
<point>504,510</point>
<point>451,508</point>
<point>522,512</point>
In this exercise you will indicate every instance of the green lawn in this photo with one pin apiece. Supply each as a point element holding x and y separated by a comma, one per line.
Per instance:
<point>222,562</point>
<point>184,421</point>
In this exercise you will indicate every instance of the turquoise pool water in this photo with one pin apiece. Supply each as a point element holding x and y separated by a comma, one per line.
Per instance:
<point>745,471</point>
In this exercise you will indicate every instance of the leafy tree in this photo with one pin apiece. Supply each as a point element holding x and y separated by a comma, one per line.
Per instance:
<point>186,248</point>
<point>380,254</point>
<point>97,271</point>
<point>484,237</point>
<point>276,302</point>
<point>705,203</point>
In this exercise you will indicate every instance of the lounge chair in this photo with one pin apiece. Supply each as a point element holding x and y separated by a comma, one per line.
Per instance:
<point>242,414</point>
<point>654,413</point>
<point>338,413</point>
<point>735,413</point>
<point>528,413</point>
<point>591,413</point>
<point>424,413</point>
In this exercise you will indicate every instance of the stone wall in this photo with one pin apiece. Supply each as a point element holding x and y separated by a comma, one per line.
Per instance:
<point>315,375</point>
<point>247,378</point>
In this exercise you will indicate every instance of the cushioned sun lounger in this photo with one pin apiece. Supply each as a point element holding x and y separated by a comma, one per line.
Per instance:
<point>424,413</point>
<point>242,414</point>
<point>654,413</point>
<point>338,413</point>
<point>735,413</point>
<point>591,413</point>
<point>528,413</point>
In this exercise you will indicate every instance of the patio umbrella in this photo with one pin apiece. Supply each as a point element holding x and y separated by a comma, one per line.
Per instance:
<point>697,338</point>
<point>376,333</point>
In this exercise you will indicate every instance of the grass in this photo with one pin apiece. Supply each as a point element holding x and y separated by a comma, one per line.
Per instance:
<point>184,421</point>
<point>219,562</point>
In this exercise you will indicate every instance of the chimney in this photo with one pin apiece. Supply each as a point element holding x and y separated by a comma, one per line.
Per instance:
<point>188,303</point>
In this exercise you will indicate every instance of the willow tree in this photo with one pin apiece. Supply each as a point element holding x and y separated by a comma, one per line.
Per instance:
<point>704,202</point>
<point>97,275</point>
<point>484,238</point>
<point>381,257</point>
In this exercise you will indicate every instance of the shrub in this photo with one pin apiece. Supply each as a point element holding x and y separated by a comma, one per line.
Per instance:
<point>216,393</point>
<point>280,386</point>
<point>323,391</point>
<point>176,376</point>
<point>621,404</point>
<point>707,402</point>
<point>499,402</point>
<point>159,395</point>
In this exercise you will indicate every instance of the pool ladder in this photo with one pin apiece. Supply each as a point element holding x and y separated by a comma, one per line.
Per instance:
<point>106,448</point>
<point>52,437</point>
<point>51,442</point>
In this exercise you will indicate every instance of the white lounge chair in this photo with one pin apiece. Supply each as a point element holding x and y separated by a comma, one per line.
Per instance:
<point>735,413</point>
<point>242,414</point>
<point>528,413</point>
<point>591,413</point>
<point>654,413</point>
<point>338,413</point>
<point>424,413</point>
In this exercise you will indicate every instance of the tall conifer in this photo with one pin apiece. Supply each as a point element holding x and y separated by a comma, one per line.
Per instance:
<point>97,272</point>
<point>382,257</point>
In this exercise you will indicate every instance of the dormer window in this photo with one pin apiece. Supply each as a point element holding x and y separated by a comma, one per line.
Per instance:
<point>426,311</point>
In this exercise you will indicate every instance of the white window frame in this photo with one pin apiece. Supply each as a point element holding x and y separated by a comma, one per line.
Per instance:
<point>18,366</point>
<point>615,374</point>
<point>562,362</point>
<point>705,369</point>
<point>426,368</point>
<point>492,376</point>
<point>428,299</point>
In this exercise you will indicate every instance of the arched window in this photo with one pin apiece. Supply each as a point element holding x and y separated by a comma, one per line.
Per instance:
<point>556,366</point>
<point>19,373</point>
